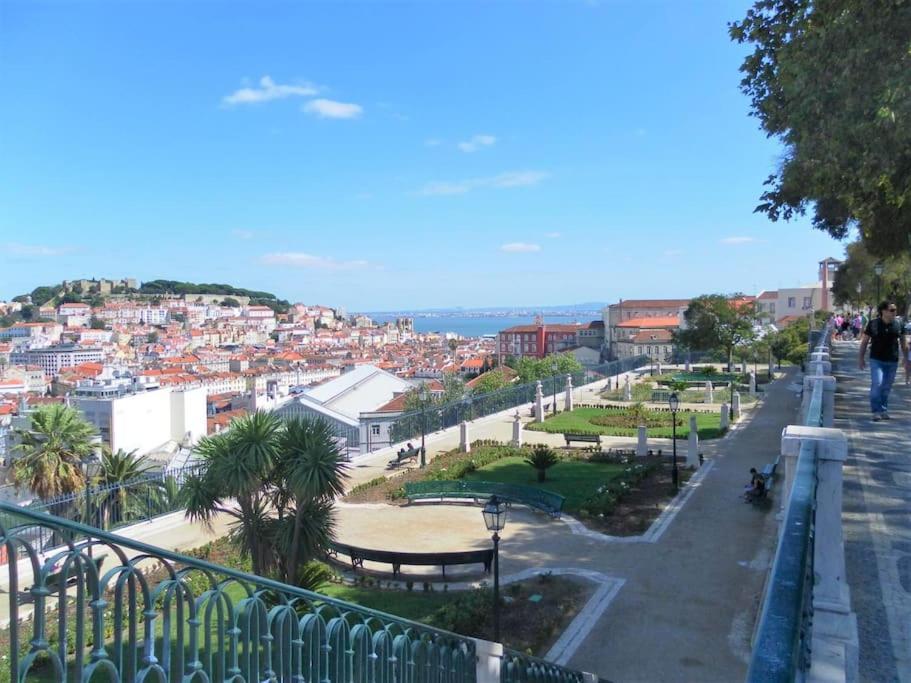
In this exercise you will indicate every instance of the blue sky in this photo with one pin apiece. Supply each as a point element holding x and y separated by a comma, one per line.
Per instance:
<point>388,155</point>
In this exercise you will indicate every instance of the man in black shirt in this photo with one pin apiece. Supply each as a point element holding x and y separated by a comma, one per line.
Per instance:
<point>884,335</point>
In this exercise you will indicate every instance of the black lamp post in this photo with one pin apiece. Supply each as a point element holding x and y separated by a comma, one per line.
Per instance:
<point>422,394</point>
<point>91,465</point>
<point>553,379</point>
<point>731,404</point>
<point>674,403</point>
<point>878,269</point>
<point>495,519</point>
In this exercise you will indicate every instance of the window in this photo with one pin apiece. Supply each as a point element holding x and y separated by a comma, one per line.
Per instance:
<point>772,308</point>
<point>375,430</point>
<point>807,303</point>
<point>792,301</point>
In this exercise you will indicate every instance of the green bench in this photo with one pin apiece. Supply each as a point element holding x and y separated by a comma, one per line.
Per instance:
<point>397,558</point>
<point>546,501</point>
<point>587,438</point>
<point>403,455</point>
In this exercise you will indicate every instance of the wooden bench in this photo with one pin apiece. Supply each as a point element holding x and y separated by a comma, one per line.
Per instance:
<point>587,438</point>
<point>403,455</point>
<point>397,559</point>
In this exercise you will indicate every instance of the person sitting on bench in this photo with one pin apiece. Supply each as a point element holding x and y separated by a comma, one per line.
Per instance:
<point>756,488</point>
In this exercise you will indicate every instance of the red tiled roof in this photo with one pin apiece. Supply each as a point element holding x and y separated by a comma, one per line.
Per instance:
<point>651,303</point>
<point>651,323</point>
<point>646,336</point>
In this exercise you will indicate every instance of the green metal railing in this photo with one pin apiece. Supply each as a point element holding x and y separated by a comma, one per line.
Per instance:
<point>518,668</point>
<point>464,488</point>
<point>441,416</point>
<point>151,614</point>
<point>781,652</point>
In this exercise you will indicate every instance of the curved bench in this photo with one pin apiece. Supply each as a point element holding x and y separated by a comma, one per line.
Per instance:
<point>547,501</point>
<point>397,559</point>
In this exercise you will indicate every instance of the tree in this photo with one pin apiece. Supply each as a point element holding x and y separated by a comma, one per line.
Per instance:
<point>542,459</point>
<point>832,81</point>
<point>284,477</point>
<point>532,369</point>
<point>490,381</point>
<point>715,322</point>
<point>125,489</point>
<point>96,323</point>
<point>41,295</point>
<point>51,451</point>
<point>856,283</point>
<point>230,302</point>
<point>28,312</point>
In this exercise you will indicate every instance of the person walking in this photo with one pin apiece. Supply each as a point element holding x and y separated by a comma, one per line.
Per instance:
<point>883,335</point>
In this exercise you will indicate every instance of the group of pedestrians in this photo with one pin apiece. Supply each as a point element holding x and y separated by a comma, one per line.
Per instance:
<point>885,336</point>
<point>849,326</point>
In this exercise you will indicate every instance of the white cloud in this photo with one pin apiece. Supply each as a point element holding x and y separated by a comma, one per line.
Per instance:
<point>243,234</point>
<point>476,142</point>
<point>432,142</point>
<point>297,259</point>
<point>553,235</point>
<point>268,90</point>
<point>330,109</point>
<point>520,247</point>
<point>738,240</point>
<point>17,249</point>
<point>503,180</point>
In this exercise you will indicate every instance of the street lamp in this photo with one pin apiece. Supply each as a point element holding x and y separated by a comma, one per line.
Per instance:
<point>731,404</point>
<point>495,519</point>
<point>878,269</point>
<point>553,379</point>
<point>91,466</point>
<point>674,403</point>
<point>422,395</point>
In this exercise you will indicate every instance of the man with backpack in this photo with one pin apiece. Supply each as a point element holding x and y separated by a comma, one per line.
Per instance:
<point>884,335</point>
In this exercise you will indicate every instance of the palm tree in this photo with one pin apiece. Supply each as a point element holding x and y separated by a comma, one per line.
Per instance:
<point>315,472</point>
<point>125,490</point>
<point>238,464</point>
<point>542,459</point>
<point>52,449</point>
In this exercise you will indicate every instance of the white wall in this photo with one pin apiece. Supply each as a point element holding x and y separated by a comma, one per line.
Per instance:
<point>188,414</point>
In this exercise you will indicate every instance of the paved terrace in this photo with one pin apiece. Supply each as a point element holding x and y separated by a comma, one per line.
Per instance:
<point>877,518</point>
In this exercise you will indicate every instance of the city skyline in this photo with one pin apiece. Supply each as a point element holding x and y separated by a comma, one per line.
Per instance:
<point>532,157</point>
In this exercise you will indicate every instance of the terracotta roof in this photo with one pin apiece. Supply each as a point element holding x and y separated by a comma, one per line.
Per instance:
<point>396,405</point>
<point>651,323</point>
<point>768,295</point>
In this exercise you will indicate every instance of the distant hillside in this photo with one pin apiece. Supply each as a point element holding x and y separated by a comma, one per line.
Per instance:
<point>58,294</point>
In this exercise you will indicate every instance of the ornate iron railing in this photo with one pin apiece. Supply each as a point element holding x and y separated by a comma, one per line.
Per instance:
<point>548,501</point>
<point>109,607</point>
<point>781,651</point>
<point>518,668</point>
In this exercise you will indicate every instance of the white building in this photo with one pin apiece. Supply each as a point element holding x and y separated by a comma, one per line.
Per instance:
<point>145,421</point>
<point>52,358</point>
<point>350,402</point>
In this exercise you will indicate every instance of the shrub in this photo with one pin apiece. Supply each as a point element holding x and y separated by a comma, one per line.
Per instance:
<point>542,458</point>
<point>467,614</point>
<point>376,481</point>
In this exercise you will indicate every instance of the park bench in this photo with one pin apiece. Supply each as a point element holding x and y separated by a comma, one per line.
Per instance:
<point>587,438</point>
<point>402,455</point>
<point>531,411</point>
<point>54,581</point>
<point>546,501</point>
<point>397,558</point>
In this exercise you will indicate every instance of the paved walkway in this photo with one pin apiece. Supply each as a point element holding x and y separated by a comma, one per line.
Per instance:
<point>679,604</point>
<point>877,519</point>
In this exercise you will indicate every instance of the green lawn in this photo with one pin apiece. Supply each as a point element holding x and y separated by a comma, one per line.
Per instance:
<point>573,479</point>
<point>579,421</point>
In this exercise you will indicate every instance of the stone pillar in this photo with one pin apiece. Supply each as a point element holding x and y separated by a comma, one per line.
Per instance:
<point>659,367</point>
<point>736,405</point>
<point>725,414</point>
<point>642,444</point>
<point>686,365</point>
<point>627,390</point>
<point>568,393</point>
<point>752,384</point>
<point>464,440</point>
<point>819,367</point>
<point>488,659</point>
<point>517,431</point>
<point>709,393</point>
<point>692,445</point>
<point>539,402</point>
<point>828,397</point>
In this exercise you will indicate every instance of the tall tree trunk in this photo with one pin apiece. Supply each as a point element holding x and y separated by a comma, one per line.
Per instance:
<point>292,562</point>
